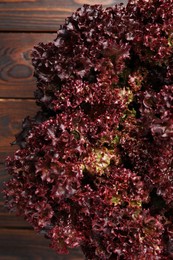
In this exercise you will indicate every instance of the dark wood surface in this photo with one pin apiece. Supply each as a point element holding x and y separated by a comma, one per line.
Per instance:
<point>24,244</point>
<point>40,15</point>
<point>16,71</point>
<point>12,113</point>
<point>24,23</point>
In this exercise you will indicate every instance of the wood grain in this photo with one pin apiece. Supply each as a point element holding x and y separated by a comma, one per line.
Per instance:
<point>10,220</point>
<point>16,70</point>
<point>14,1</point>
<point>41,15</point>
<point>26,245</point>
<point>12,113</point>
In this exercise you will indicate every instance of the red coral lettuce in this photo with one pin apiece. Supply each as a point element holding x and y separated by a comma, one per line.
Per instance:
<point>95,165</point>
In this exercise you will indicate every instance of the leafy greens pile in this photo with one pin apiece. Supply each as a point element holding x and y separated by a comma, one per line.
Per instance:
<point>95,165</point>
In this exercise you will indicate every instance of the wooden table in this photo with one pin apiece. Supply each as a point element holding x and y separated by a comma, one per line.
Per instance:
<point>24,23</point>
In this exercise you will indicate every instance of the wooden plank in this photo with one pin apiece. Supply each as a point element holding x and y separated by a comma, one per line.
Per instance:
<point>10,220</point>
<point>16,71</point>
<point>12,113</point>
<point>26,244</point>
<point>40,15</point>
